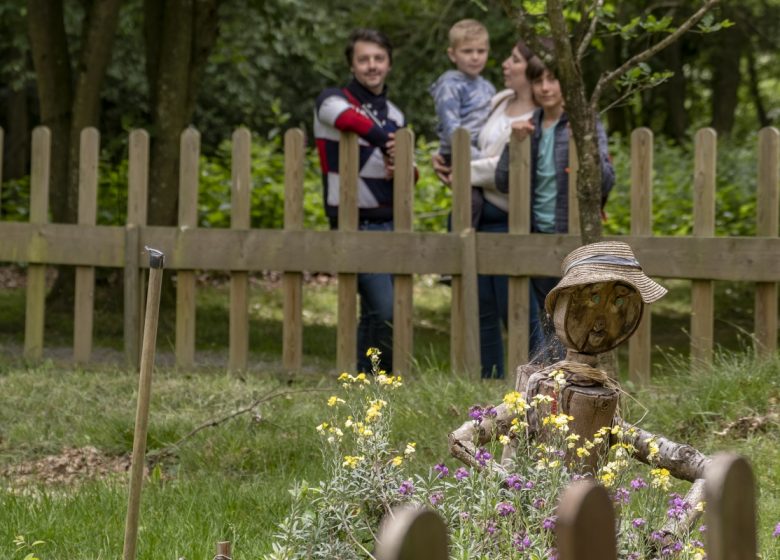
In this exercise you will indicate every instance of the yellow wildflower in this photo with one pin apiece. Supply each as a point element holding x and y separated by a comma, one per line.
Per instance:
<point>397,461</point>
<point>607,479</point>
<point>660,478</point>
<point>504,439</point>
<point>322,427</point>
<point>700,506</point>
<point>582,452</point>
<point>515,403</point>
<point>352,461</point>
<point>410,448</point>
<point>334,400</point>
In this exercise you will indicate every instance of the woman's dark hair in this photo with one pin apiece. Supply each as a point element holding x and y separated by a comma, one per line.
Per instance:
<point>369,36</point>
<point>536,65</point>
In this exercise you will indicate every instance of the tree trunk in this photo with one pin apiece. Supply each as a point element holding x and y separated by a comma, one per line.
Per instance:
<point>726,78</point>
<point>676,124</point>
<point>67,106</point>
<point>16,160</point>
<point>755,92</point>
<point>179,36</point>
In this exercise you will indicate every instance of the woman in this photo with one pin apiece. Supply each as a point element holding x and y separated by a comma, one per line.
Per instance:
<point>511,105</point>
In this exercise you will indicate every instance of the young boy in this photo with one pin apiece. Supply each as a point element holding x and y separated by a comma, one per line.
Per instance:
<point>462,97</point>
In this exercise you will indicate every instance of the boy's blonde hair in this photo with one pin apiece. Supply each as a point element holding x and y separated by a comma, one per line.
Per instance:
<point>467,30</point>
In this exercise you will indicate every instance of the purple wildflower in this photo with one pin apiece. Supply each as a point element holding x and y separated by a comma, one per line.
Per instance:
<point>504,508</point>
<point>622,496</point>
<point>436,498</point>
<point>633,556</point>
<point>491,411</point>
<point>657,536</point>
<point>638,484</point>
<point>638,522</point>
<point>464,515</point>
<point>549,523</point>
<point>442,469</point>
<point>461,473</point>
<point>677,507</point>
<point>521,542</point>
<point>482,456</point>
<point>406,488</point>
<point>476,413</point>
<point>552,554</point>
<point>514,481</point>
<point>530,484</point>
<point>539,503</point>
<point>776,532</point>
<point>491,528</point>
<point>703,528</point>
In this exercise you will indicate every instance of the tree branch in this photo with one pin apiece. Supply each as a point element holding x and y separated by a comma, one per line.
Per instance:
<point>583,45</point>
<point>609,77</point>
<point>156,455</point>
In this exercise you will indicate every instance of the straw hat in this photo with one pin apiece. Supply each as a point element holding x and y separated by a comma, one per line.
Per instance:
<point>606,261</point>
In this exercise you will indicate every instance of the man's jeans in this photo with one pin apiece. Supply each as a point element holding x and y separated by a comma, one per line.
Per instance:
<point>375,328</point>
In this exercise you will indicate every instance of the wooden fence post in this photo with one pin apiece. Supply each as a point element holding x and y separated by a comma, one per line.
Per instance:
<point>241,201</point>
<point>410,533</point>
<point>403,214</point>
<point>766,226</point>
<point>2,146</point>
<point>188,218</point>
<point>134,281</point>
<point>292,282</point>
<point>84,305</point>
<point>39,215</point>
<point>585,528</point>
<point>519,224</point>
<point>223,551</point>
<point>639,345</point>
<point>464,324</point>
<point>702,291</point>
<point>346,349</point>
<point>730,515</point>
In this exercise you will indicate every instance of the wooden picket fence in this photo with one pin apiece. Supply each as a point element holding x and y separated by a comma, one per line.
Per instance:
<point>239,250</point>
<point>585,529</point>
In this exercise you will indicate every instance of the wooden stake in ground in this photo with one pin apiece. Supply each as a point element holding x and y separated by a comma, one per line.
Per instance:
<point>156,261</point>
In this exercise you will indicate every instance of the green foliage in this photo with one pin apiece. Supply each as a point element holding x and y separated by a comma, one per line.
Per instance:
<point>735,194</point>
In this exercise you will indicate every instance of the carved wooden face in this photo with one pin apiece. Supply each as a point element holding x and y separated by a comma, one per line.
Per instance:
<point>595,318</point>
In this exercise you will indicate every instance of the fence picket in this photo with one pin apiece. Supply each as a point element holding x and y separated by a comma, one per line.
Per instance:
<point>702,291</point>
<point>188,218</point>
<point>768,196</point>
<point>585,529</point>
<point>84,306</point>
<point>520,224</point>
<point>2,147</point>
<point>730,515</point>
<point>134,281</point>
<point>462,324</point>
<point>639,344</point>
<point>292,282</point>
<point>411,533</point>
<point>403,216</point>
<point>36,272</point>
<point>240,197</point>
<point>346,344</point>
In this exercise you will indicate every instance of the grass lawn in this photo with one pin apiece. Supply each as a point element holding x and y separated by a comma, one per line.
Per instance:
<point>230,481</point>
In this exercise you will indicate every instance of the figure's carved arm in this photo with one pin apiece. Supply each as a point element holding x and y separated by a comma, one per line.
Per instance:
<point>465,440</point>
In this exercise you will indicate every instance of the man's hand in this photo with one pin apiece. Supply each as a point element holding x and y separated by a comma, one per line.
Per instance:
<point>390,146</point>
<point>443,171</point>
<point>389,167</point>
<point>522,129</point>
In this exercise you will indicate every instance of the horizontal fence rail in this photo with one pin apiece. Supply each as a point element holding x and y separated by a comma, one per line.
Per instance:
<point>240,249</point>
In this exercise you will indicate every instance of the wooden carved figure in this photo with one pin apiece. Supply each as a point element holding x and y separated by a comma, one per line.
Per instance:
<point>596,306</point>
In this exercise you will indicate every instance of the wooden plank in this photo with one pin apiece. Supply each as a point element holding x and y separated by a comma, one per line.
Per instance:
<point>403,285</point>
<point>39,214</point>
<point>292,282</point>
<point>703,291</point>
<point>586,523</point>
<point>730,516</point>
<point>768,199</point>
<point>134,283</point>
<point>84,305</point>
<point>412,534</point>
<point>739,259</point>
<point>240,197</point>
<point>574,202</point>
<point>188,218</point>
<point>461,220</point>
<point>519,224</point>
<point>640,345</point>
<point>471,354</point>
<point>346,331</point>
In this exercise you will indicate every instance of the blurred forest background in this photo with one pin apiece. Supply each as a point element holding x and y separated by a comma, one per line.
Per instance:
<point>165,64</point>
